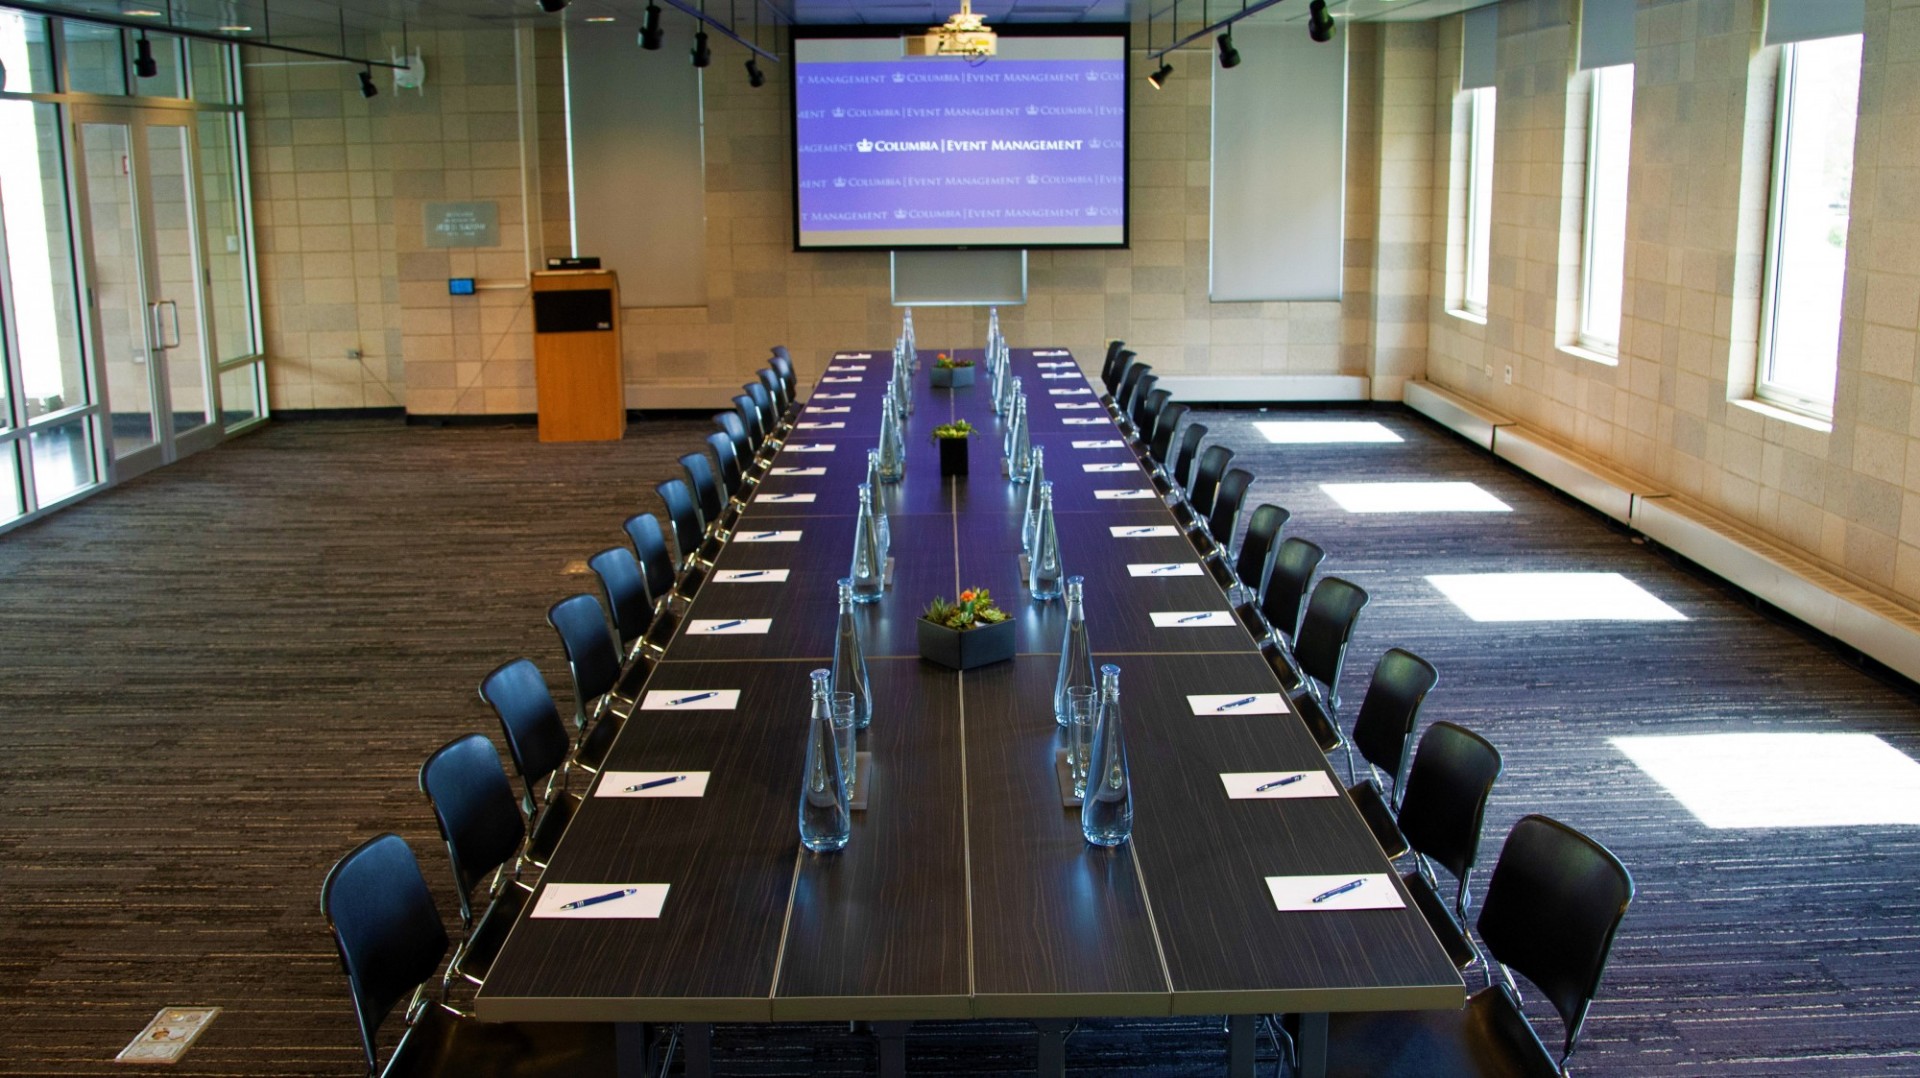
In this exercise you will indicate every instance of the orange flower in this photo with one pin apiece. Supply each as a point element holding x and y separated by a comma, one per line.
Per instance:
<point>966,597</point>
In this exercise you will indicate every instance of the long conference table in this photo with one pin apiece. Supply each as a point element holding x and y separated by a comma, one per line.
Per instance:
<point>967,890</point>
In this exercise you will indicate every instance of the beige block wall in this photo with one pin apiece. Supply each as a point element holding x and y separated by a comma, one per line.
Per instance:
<point>352,272</point>
<point>1669,410</point>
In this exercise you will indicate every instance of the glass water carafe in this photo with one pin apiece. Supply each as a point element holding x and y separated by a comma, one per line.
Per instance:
<point>850,660</point>
<point>1043,565</point>
<point>1076,650</point>
<point>1106,809</point>
<point>826,813</point>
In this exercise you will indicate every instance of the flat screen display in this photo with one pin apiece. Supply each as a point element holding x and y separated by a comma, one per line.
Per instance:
<point>1026,149</point>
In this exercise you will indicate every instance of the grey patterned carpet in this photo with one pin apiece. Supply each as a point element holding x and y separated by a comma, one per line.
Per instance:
<point>219,677</point>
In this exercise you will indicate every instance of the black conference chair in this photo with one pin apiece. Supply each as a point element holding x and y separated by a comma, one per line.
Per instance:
<point>1110,366</point>
<point>733,480</point>
<point>1440,819</point>
<point>1213,541</point>
<point>1122,359</point>
<point>689,530</point>
<point>1123,393</point>
<point>751,461</point>
<point>1183,459</point>
<point>1198,500</point>
<point>756,426</point>
<point>665,587</point>
<point>482,827</point>
<point>1288,584</point>
<point>777,389</point>
<point>538,743</point>
<point>390,940</point>
<point>1160,448</point>
<point>625,585</point>
<point>1311,672</point>
<point>770,417</point>
<point>1255,561</point>
<point>1147,423</point>
<point>712,503</point>
<point>1382,730</point>
<point>593,663</point>
<point>782,365</point>
<point>1134,399</point>
<point>1553,907</point>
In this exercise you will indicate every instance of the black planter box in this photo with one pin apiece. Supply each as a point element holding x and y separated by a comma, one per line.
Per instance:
<point>951,377</point>
<point>953,455</point>
<point>964,649</point>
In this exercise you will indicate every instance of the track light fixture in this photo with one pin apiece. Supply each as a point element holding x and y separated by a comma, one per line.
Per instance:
<point>756,78</point>
<point>1319,22</point>
<point>1229,56</point>
<point>650,33</point>
<point>702,55</point>
<point>1159,77</point>
<point>367,88</point>
<point>143,62</point>
<point>553,6</point>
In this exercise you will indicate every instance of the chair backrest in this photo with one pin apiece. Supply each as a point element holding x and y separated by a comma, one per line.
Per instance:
<point>783,366</point>
<point>780,350</point>
<point>1225,515</point>
<point>626,590</point>
<point>1165,426</point>
<point>1553,905</point>
<point>1445,804</point>
<point>1189,449</point>
<point>1294,564</point>
<point>1327,628</point>
<point>1206,478</point>
<point>1384,727</point>
<point>1256,550</point>
<point>1136,396</point>
<point>1110,367</point>
<point>1123,393</point>
<point>536,738</point>
<point>735,429</point>
<point>750,415</point>
<point>474,805</point>
<point>1147,422</point>
<point>386,927</point>
<point>731,477</point>
<point>650,549</point>
<point>706,487</point>
<point>775,389</point>
<point>763,400</point>
<point>592,658</point>
<point>1121,361</point>
<point>684,515</point>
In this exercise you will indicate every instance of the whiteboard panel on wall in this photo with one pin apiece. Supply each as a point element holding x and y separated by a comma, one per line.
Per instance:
<point>959,278</point>
<point>639,189</point>
<point>1279,167</point>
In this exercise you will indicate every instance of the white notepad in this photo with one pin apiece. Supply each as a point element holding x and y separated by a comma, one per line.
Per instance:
<point>766,537</point>
<point>1296,894</point>
<point>798,471</point>
<point>1083,421</point>
<point>637,900</point>
<point>1113,466</point>
<point>751,576</point>
<point>821,426</point>
<point>1081,392</point>
<point>1144,531</point>
<point>1245,785</point>
<point>784,499</point>
<point>1192,619</point>
<point>1050,366</point>
<point>854,378</point>
<point>690,700</point>
<point>729,626</point>
<point>833,396</point>
<point>846,370</point>
<point>1053,352</point>
<point>812,447</point>
<point>1123,495</point>
<point>839,409</point>
<point>1067,406</point>
<point>1110,443</point>
<point>1230,703</point>
<point>1164,568</point>
<point>652,784</point>
<point>853,355</point>
<point>1057,377</point>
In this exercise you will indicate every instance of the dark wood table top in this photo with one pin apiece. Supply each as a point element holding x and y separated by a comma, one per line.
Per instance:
<point>967,889</point>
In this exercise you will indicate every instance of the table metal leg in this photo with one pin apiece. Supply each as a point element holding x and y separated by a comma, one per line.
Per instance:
<point>1053,1047</point>
<point>1311,1044</point>
<point>633,1049</point>
<point>698,1037</point>
<point>892,1038</point>
<point>1240,1041</point>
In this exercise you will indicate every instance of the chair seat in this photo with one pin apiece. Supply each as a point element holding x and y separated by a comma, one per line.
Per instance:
<point>1374,809</point>
<point>550,826</point>
<point>1251,617</point>
<point>1282,669</point>
<point>1223,574</point>
<point>633,678</point>
<point>598,740</point>
<point>490,933</point>
<point>1324,732</point>
<point>442,1043</point>
<point>1447,930</point>
<point>1489,1037</point>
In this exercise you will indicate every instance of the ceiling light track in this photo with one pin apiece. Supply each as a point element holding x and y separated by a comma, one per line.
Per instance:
<point>1172,13</point>
<point>720,26</point>
<point>52,12</point>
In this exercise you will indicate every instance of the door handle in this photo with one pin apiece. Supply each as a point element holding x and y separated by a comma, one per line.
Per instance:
<point>160,337</point>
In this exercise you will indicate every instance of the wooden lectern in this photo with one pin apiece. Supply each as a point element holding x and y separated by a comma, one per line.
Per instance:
<point>576,356</point>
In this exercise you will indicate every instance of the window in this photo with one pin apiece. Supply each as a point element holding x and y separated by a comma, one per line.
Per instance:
<point>1603,249</point>
<point>1479,197</point>
<point>1819,92</point>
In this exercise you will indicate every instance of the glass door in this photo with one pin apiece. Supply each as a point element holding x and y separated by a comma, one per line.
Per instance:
<point>137,201</point>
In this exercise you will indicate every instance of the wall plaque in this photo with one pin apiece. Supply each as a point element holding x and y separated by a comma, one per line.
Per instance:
<point>463,224</point>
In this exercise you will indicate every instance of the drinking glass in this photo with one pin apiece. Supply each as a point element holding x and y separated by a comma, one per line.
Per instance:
<point>843,740</point>
<point>1083,702</point>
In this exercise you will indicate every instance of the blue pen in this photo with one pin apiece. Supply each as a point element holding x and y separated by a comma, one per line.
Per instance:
<point>725,625</point>
<point>1141,531</point>
<point>1167,568</point>
<point>656,782</point>
<point>1242,702</point>
<point>691,699</point>
<point>1202,616</point>
<point>1340,890</point>
<point>766,535</point>
<point>751,575</point>
<point>608,897</point>
<point>1276,783</point>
